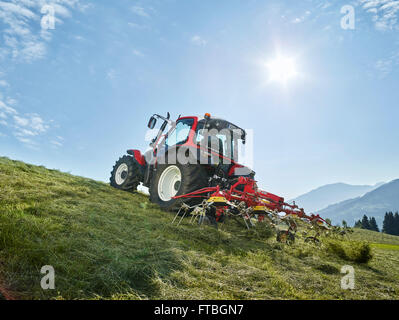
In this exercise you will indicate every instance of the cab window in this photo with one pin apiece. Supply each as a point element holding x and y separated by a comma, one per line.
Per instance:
<point>180,134</point>
<point>224,138</point>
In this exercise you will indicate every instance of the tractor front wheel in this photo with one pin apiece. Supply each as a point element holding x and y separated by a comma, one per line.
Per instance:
<point>126,174</point>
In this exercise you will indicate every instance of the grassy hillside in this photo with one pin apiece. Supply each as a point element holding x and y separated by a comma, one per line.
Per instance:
<point>104,243</point>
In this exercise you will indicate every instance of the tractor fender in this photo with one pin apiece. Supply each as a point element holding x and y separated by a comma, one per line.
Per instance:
<point>138,156</point>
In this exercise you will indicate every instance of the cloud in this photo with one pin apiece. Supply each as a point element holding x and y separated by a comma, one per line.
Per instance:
<point>22,122</point>
<point>198,41</point>
<point>79,38</point>
<point>111,74</point>
<point>297,20</point>
<point>23,38</point>
<point>30,124</point>
<point>28,142</point>
<point>137,26</point>
<point>138,53</point>
<point>386,65</point>
<point>301,18</point>
<point>8,110</point>
<point>140,11</point>
<point>83,7</point>
<point>56,143</point>
<point>11,101</point>
<point>385,13</point>
<point>23,126</point>
<point>28,127</point>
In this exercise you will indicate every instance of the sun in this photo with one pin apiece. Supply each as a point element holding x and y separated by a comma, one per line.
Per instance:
<point>281,69</point>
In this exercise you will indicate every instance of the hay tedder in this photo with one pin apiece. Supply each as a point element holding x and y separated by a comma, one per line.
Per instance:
<point>193,169</point>
<point>243,200</point>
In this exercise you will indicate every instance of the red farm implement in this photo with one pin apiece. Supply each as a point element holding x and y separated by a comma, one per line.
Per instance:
<point>244,200</point>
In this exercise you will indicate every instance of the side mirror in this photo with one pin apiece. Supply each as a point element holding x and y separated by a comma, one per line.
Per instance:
<point>152,122</point>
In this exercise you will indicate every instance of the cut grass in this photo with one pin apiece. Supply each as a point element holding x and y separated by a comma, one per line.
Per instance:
<point>108,244</point>
<point>355,251</point>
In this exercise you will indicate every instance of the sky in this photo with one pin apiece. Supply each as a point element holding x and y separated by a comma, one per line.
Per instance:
<point>75,97</point>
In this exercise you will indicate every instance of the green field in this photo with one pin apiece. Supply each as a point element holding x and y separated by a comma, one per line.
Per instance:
<point>108,244</point>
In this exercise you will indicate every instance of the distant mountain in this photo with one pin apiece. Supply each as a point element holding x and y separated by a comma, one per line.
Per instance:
<point>324,196</point>
<point>374,203</point>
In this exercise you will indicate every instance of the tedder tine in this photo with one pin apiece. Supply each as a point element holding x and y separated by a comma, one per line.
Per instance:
<point>181,219</point>
<point>177,214</point>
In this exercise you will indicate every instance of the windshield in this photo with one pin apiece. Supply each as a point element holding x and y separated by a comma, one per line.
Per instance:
<point>180,134</point>
<point>219,141</point>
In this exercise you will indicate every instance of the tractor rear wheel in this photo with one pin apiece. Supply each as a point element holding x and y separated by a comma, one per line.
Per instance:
<point>126,174</point>
<point>172,180</point>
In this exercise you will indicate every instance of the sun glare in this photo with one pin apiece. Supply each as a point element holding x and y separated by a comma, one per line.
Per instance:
<point>281,69</point>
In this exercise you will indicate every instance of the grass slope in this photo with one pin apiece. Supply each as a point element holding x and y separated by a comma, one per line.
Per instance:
<point>104,243</point>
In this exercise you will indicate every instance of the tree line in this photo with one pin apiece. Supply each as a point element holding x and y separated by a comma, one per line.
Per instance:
<point>389,226</point>
<point>367,223</point>
<point>391,223</point>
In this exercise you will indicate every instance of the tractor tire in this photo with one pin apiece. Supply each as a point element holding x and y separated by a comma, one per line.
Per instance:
<point>171,180</point>
<point>126,174</point>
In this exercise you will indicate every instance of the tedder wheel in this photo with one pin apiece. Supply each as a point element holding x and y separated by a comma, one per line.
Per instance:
<point>172,180</point>
<point>126,174</point>
<point>285,236</point>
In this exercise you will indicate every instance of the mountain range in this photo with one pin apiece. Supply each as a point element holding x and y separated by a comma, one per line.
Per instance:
<point>373,204</point>
<point>327,195</point>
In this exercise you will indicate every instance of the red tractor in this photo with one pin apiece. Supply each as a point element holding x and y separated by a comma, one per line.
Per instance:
<point>192,154</point>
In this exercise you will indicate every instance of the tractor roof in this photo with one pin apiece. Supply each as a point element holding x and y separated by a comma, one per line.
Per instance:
<point>220,124</point>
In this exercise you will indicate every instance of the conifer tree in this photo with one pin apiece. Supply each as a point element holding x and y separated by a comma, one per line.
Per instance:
<point>358,224</point>
<point>385,223</point>
<point>373,225</point>
<point>365,223</point>
<point>388,226</point>
<point>396,224</point>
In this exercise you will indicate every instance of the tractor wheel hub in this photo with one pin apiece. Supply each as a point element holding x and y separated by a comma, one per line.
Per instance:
<point>121,174</point>
<point>169,183</point>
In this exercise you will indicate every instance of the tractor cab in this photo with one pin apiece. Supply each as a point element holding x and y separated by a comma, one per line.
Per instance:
<point>215,137</point>
<point>220,137</point>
